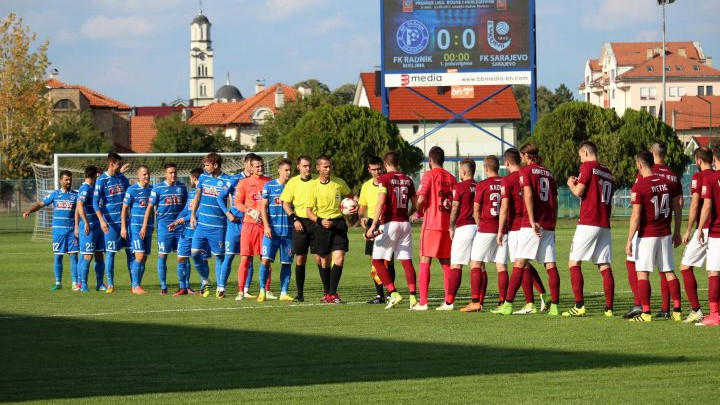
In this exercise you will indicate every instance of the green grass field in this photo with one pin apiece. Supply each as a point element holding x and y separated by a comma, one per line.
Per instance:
<point>68,347</point>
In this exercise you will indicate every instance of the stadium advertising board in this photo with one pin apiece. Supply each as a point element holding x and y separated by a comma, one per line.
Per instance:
<point>487,42</point>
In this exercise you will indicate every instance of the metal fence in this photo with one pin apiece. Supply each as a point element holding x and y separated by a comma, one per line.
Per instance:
<point>16,196</point>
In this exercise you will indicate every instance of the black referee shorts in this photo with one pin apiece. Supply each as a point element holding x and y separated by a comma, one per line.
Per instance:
<point>302,242</point>
<point>333,239</point>
<point>369,243</point>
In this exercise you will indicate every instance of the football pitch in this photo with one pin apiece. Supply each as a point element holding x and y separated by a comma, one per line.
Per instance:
<point>71,347</point>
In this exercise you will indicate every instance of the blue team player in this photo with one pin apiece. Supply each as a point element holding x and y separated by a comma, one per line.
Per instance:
<point>167,200</point>
<point>207,217</point>
<point>89,234</point>
<point>278,234</point>
<point>63,227</point>
<point>181,224</point>
<point>134,207</point>
<point>110,190</point>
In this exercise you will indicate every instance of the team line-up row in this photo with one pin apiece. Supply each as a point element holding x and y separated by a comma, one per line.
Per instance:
<point>463,223</point>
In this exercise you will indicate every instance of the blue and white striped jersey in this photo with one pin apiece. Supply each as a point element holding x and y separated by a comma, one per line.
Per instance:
<point>279,220</point>
<point>137,199</point>
<point>168,201</point>
<point>85,197</point>
<point>231,192</point>
<point>108,196</point>
<point>63,202</point>
<point>188,232</point>
<point>210,213</point>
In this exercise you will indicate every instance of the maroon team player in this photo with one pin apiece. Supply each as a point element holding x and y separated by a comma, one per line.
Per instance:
<point>396,191</point>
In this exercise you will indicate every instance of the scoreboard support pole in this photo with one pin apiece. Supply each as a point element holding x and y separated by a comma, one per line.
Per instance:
<point>533,72</point>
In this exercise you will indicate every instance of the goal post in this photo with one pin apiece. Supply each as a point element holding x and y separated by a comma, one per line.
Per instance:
<point>47,178</point>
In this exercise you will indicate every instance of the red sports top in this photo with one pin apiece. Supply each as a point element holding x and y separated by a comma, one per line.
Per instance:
<point>596,201</point>
<point>248,194</point>
<point>696,184</point>
<point>400,189</point>
<point>488,196</point>
<point>437,185</point>
<point>544,193</point>
<point>711,190</point>
<point>464,194</point>
<point>653,194</point>
<point>510,189</point>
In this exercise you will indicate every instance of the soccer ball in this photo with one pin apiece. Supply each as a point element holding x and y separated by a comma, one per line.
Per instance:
<point>503,28</point>
<point>347,205</point>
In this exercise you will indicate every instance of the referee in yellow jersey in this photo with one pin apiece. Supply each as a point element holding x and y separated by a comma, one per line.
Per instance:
<point>295,199</point>
<point>330,234</point>
<point>367,202</point>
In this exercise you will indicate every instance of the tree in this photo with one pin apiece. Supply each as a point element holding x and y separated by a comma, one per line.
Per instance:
<point>547,101</point>
<point>24,110</point>
<point>345,93</point>
<point>315,85</point>
<point>177,136</point>
<point>75,132</point>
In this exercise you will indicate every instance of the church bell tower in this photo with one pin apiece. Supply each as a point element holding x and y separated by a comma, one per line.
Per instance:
<point>202,82</point>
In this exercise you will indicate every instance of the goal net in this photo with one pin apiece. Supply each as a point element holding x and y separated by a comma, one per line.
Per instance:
<point>47,177</point>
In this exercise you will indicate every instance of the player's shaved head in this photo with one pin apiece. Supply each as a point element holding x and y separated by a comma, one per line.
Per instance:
<point>66,173</point>
<point>703,154</point>
<point>659,149</point>
<point>492,164</point>
<point>322,158</point>
<point>303,158</point>
<point>391,159</point>
<point>437,155</point>
<point>196,172</point>
<point>91,172</point>
<point>252,157</point>
<point>645,159</point>
<point>285,162</point>
<point>469,166</point>
<point>589,147</point>
<point>512,156</point>
<point>113,157</point>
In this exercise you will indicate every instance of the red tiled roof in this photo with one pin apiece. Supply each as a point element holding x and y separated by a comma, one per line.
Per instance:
<point>142,133</point>
<point>635,53</point>
<point>96,99</point>
<point>405,105</point>
<point>595,65</point>
<point>692,112</point>
<point>158,111</point>
<point>688,68</point>
<point>241,112</point>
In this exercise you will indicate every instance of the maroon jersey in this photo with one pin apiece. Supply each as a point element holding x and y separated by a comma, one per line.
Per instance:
<point>510,189</point>
<point>400,189</point>
<point>488,195</point>
<point>711,190</point>
<point>696,184</point>
<point>464,194</point>
<point>669,175</point>
<point>437,185</point>
<point>596,201</point>
<point>544,195</point>
<point>653,194</point>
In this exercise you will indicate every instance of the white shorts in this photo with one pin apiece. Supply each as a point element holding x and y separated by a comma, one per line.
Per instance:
<point>654,251</point>
<point>713,254</point>
<point>396,238</point>
<point>634,246</point>
<point>485,248</point>
<point>512,244</point>
<point>531,247</point>
<point>695,253</point>
<point>591,243</point>
<point>462,244</point>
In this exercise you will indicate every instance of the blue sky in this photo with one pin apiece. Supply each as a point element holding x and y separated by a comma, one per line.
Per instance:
<point>137,50</point>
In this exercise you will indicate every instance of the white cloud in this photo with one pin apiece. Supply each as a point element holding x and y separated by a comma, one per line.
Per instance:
<point>331,24</point>
<point>117,28</point>
<point>648,36</point>
<point>615,14</point>
<point>65,36</point>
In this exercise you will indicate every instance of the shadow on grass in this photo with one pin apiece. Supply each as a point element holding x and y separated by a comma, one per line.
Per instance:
<point>51,358</point>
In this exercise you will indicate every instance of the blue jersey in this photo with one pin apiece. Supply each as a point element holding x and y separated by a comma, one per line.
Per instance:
<point>63,220</point>
<point>108,196</point>
<point>222,197</point>
<point>185,214</point>
<point>85,197</point>
<point>168,201</point>
<point>137,199</point>
<point>210,213</point>
<point>279,220</point>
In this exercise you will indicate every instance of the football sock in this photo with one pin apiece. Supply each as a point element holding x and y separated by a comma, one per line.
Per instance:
<point>269,277</point>
<point>384,275</point>
<point>577,282</point>
<point>74,268</point>
<point>58,268</point>
<point>475,283</point>
<point>515,281</point>
<point>409,270</point>
<point>242,272</point>
<point>199,266</point>
<point>424,280</point>
<point>379,290</point>
<point>335,275</point>
<point>285,273</point>
<point>527,286</point>
<point>263,276</point>
<point>250,274</point>
<point>664,293</point>
<point>391,269</point>
<point>537,281</point>
<point>181,273</point>
<point>300,278</point>
<point>608,287</point>
<point>225,271</point>
<point>674,287</point>
<point>447,283</point>
<point>110,268</point>
<point>135,274</point>
<point>454,281</point>
<point>632,280</point>
<point>142,272</point>
<point>483,286</point>
<point>554,281</point>
<point>644,290</point>
<point>691,288</point>
<point>162,271</point>
<point>83,270</point>
<point>129,259</point>
<point>714,294</point>
<point>219,259</point>
<point>325,278</point>
<point>503,281</point>
<point>99,271</point>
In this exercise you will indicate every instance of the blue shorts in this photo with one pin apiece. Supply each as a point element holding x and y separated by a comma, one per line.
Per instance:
<point>232,238</point>
<point>113,241</point>
<point>141,245</point>
<point>168,241</point>
<point>212,237</point>
<point>64,243</point>
<point>184,250</point>
<point>92,242</point>
<point>270,247</point>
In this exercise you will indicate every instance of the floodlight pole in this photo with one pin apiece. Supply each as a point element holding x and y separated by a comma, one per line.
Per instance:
<point>662,3</point>
<point>533,67</point>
